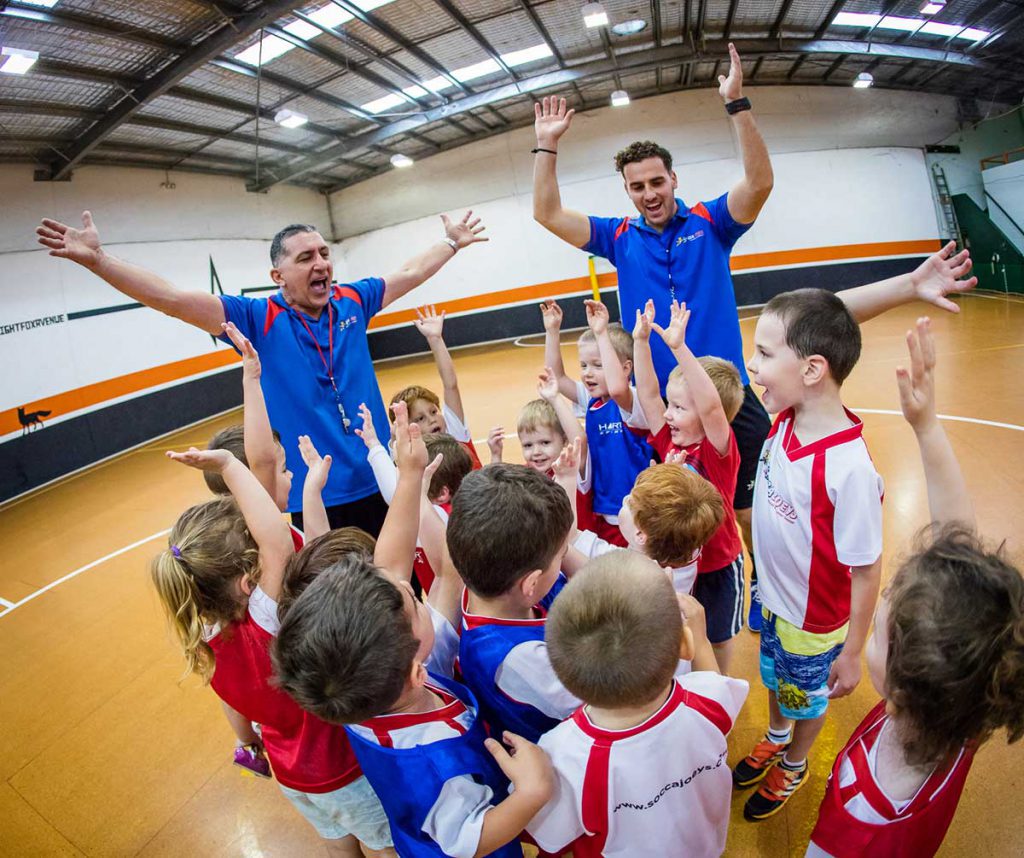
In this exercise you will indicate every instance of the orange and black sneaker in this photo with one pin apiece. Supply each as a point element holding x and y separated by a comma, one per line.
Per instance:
<point>752,768</point>
<point>780,783</point>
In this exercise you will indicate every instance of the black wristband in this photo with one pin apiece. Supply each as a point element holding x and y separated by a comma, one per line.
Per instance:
<point>737,106</point>
<point>539,149</point>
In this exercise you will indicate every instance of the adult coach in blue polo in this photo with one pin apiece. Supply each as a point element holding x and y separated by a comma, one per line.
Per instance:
<point>673,251</point>
<point>311,337</point>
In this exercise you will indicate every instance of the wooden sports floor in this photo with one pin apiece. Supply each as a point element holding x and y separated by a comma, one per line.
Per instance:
<point>103,751</point>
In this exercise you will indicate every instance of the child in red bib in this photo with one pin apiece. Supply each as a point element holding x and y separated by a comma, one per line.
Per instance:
<point>946,654</point>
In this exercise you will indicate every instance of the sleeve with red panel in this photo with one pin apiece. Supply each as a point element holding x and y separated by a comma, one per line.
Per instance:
<point>247,314</point>
<point>723,224</point>
<point>604,231</point>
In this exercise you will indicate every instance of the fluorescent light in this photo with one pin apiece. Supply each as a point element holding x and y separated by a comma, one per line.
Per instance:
<point>46,4</point>
<point>630,27</point>
<point>931,7</point>
<point>401,161</point>
<point>527,55</point>
<point>864,80</point>
<point>620,98</point>
<point>909,25</point>
<point>594,15</point>
<point>290,118</point>
<point>17,60</point>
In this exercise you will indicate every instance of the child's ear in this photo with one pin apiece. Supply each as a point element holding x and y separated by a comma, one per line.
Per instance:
<point>248,585</point>
<point>627,367</point>
<point>815,369</point>
<point>686,648</point>
<point>418,675</point>
<point>529,583</point>
<point>641,537</point>
<point>443,496</point>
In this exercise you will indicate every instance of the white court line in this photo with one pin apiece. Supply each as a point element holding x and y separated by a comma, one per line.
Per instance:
<point>80,570</point>
<point>950,417</point>
<point>6,604</point>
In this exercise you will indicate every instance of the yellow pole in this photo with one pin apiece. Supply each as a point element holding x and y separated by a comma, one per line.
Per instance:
<point>593,278</point>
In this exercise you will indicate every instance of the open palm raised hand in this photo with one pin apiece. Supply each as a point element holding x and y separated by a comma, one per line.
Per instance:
<point>551,120</point>
<point>67,242</point>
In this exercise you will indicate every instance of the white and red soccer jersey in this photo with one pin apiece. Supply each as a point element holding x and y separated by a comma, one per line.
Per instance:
<point>298,538</point>
<point>662,788</point>
<point>817,512</point>
<point>591,545</point>
<point>460,432</point>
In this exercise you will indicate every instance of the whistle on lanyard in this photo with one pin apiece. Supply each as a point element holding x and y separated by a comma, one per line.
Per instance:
<point>345,422</point>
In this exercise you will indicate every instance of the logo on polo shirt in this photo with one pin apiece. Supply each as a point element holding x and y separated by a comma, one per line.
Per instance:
<point>693,237</point>
<point>347,323</point>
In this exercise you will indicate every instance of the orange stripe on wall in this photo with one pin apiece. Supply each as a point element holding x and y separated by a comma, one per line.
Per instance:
<point>94,394</point>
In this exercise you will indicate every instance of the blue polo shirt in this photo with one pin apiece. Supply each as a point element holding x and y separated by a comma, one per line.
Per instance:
<point>298,392</point>
<point>688,261</point>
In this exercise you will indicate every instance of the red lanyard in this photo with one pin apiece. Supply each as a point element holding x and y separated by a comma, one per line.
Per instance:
<point>330,343</point>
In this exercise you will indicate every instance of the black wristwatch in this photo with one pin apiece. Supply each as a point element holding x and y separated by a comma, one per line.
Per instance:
<point>737,106</point>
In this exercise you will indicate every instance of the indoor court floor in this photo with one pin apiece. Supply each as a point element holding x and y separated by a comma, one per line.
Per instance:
<point>105,751</point>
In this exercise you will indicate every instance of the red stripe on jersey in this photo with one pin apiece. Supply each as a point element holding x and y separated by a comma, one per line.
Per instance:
<point>677,696</point>
<point>340,292</point>
<point>710,709</point>
<point>273,311</point>
<point>473,621</point>
<point>828,584</point>
<point>383,725</point>
<point>595,802</point>
<point>621,228</point>
<point>701,210</point>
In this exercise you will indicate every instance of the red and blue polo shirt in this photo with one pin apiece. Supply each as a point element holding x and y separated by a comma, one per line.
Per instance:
<point>688,261</point>
<point>296,386</point>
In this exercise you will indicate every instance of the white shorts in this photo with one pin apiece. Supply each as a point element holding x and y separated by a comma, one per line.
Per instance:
<point>354,809</point>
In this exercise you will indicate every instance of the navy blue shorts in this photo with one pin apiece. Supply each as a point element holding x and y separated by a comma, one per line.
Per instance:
<point>721,594</point>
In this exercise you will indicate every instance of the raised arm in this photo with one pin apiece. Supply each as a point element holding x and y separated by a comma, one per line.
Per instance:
<point>83,246</point>
<point>314,515</point>
<point>425,265</point>
<point>648,390</point>
<point>615,375</point>
<point>931,282</point>
<point>377,455</point>
<point>257,434</point>
<point>548,390</point>
<point>431,325</point>
<point>552,316</point>
<point>705,395</point>
<point>948,499</point>
<point>262,517</point>
<point>551,121</point>
<point>396,545</point>
<point>751,192</point>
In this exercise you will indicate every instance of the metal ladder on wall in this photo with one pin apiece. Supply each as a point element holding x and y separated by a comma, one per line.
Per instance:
<point>950,225</point>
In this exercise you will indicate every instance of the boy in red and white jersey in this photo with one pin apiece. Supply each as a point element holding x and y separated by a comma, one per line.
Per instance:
<point>640,768</point>
<point>817,523</point>
<point>947,667</point>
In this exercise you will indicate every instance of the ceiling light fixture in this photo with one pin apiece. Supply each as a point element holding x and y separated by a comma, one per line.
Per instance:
<point>630,27</point>
<point>290,118</point>
<point>46,4</point>
<point>401,161</point>
<point>594,15</point>
<point>17,60</point>
<point>933,7</point>
<point>620,98</point>
<point>864,80</point>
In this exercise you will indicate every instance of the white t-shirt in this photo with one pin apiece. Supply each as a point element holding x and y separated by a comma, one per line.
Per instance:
<point>817,513</point>
<point>456,428</point>
<point>660,789</point>
<point>591,545</point>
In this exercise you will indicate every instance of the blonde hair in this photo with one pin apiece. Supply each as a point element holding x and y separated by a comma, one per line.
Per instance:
<point>539,414</point>
<point>622,341</point>
<point>209,551</point>
<point>726,379</point>
<point>410,394</point>
<point>677,509</point>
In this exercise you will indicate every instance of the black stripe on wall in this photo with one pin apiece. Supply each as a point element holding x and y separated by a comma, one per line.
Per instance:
<point>31,460</point>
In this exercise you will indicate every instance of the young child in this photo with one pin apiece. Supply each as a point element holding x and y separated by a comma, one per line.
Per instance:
<point>640,768</point>
<point>817,521</point>
<point>617,449</point>
<point>704,395</point>
<point>946,655</point>
<point>425,409</point>
<point>507,535</point>
<point>357,648</point>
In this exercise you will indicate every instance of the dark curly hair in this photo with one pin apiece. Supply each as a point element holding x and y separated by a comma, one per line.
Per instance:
<point>640,151</point>
<point>955,667</point>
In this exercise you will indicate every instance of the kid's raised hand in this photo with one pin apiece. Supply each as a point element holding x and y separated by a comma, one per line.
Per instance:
<point>216,461</point>
<point>429,323</point>
<point>597,316</point>
<point>410,451</point>
<point>527,766</point>
<point>675,334</point>
<point>551,120</point>
<point>496,443</point>
<point>644,321</point>
<point>428,474</point>
<point>567,464</point>
<point>318,466</point>
<point>552,315</point>
<point>368,433</point>
<point>250,359</point>
<point>67,242</point>
<point>693,615</point>
<point>547,384</point>
<point>917,386</point>
<point>938,275</point>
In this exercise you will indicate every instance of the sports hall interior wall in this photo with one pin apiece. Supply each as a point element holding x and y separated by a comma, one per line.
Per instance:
<point>76,347</point>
